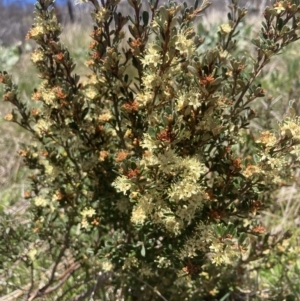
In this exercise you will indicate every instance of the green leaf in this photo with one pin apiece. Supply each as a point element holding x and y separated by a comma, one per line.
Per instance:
<point>280,24</point>
<point>84,113</point>
<point>196,4</point>
<point>163,14</point>
<point>145,18</point>
<point>224,298</point>
<point>143,251</point>
<point>152,132</point>
<point>126,78</point>
<point>135,62</point>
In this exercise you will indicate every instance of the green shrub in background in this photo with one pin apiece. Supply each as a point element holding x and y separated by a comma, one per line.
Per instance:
<point>146,179</point>
<point>8,57</point>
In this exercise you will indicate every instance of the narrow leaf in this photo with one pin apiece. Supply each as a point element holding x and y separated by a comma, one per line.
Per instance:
<point>145,18</point>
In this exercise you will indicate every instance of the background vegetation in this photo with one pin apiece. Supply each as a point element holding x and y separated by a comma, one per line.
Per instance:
<point>273,278</point>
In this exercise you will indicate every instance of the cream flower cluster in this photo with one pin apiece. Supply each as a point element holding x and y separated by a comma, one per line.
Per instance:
<point>271,164</point>
<point>224,250</point>
<point>160,69</point>
<point>184,45</point>
<point>221,250</point>
<point>177,180</point>
<point>102,14</point>
<point>122,184</point>
<point>291,128</point>
<point>186,173</point>
<point>190,97</point>
<point>38,56</point>
<point>40,201</point>
<point>85,213</point>
<point>152,57</point>
<point>42,126</point>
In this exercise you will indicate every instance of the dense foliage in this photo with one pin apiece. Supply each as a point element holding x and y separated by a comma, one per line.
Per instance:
<point>141,185</point>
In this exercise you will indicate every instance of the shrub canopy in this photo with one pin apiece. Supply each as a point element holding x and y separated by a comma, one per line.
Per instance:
<point>141,186</point>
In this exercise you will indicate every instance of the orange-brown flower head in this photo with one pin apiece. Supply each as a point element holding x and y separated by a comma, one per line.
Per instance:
<point>35,112</point>
<point>259,230</point>
<point>131,106</point>
<point>59,92</point>
<point>256,206</point>
<point>37,95</point>
<point>93,44</point>
<point>23,152</point>
<point>27,194</point>
<point>217,214</point>
<point>191,268</point>
<point>136,43</point>
<point>103,155</point>
<point>121,156</point>
<point>133,173</point>
<point>206,80</point>
<point>59,56</point>
<point>44,153</point>
<point>8,96</point>
<point>237,163</point>
<point>96,55</point>
<point>165,136</point>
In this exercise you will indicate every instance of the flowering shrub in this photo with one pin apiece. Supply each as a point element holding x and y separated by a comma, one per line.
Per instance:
<point>140,186</point>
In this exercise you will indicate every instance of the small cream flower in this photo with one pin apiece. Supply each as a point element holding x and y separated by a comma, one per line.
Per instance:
<point>32,254</point>
<point>145,97</point>
<point>40,201</point>
<point>226,28</point>
<point>173,225</point>
<point>105,117</point>
<point>102,15</point>
<point>107,266</point>
<point>251,170</point>
<point>188,98</point>
<point>42,126</point>
<point>48,167</point>
<point>152,80</point>
<point>37,31</point>
<point>138,215</point>
<point>93,79</point>
<point>49,97</point>
<point>91,93</point>
<point>267,138</point>
<point>184,45</point>
<point>291,128</point>
<point>153,56</point>
<point>103,155</point>
<point>279,7</point>
<point>9,117</point>
<point>37,56</point>
<point>88,212</point>
<point>122,184</point>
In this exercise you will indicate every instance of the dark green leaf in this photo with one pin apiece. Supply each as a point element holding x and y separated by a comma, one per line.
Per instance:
<point>145,18</point>
<point>196,4</point>
<point>135,62</point>
<point>126,78</point>
<point>280,24</point>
